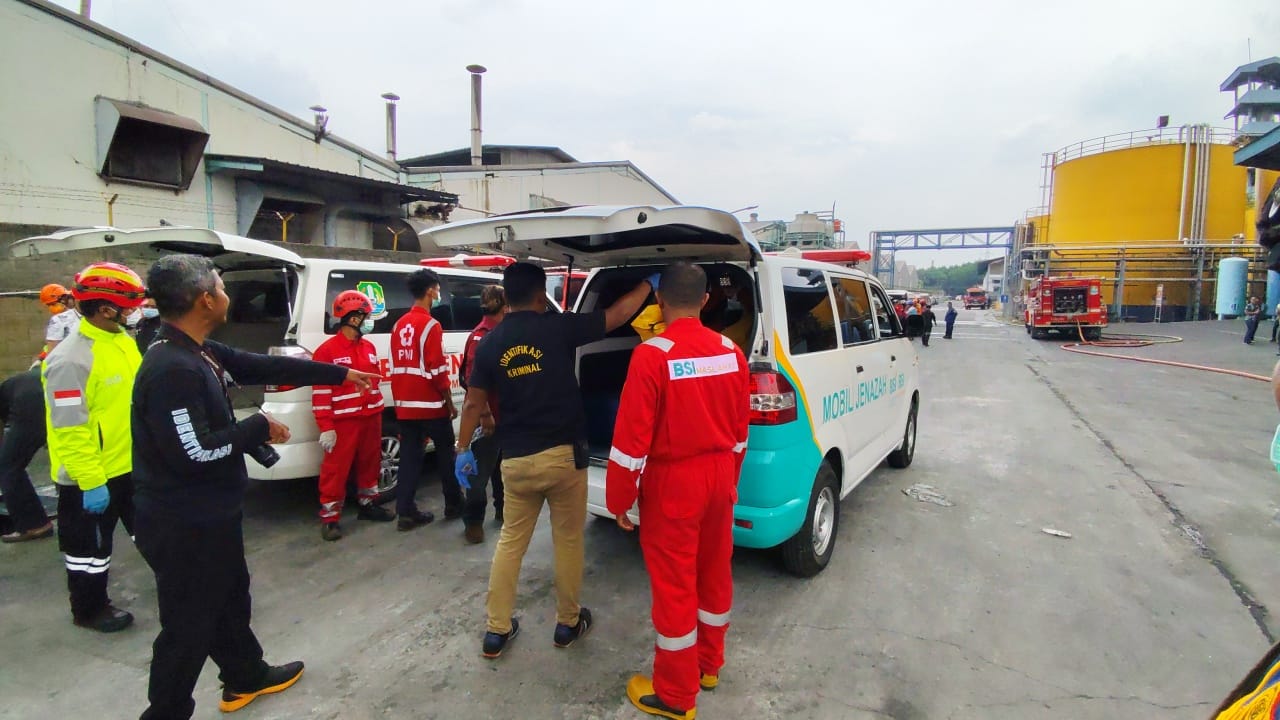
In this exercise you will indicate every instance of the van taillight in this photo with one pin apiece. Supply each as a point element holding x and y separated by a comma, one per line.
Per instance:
<point>286,351</point>
<point>773,399</point>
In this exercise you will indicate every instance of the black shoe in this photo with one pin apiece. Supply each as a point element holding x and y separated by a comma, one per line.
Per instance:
<point>107,620</point>
<point>495,643</point>
<point>277,679</point>
<point>376,513</point>
<point>39,533</point>
<point>452,512</point>
<point>414,520</point>
<point>331,531</point>
<point>566,635</point>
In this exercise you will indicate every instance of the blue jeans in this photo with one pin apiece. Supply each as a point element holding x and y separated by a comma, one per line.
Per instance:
<point>1250,328</point>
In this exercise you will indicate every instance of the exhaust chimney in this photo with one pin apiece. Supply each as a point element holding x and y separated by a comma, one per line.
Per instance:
<point>85,8</point>
<point>477,150</point>
<point>391,99</point>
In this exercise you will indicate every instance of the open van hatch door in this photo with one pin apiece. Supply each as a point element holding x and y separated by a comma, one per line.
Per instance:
<point>229,252</point>
<point>607,236</point>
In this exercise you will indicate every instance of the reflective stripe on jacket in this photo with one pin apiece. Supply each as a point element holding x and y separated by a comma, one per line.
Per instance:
<point>419,370</point>
<point>335,402</point>
<point>88,385</point>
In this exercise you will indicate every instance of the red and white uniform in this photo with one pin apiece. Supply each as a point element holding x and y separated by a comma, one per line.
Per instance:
<point>678,444</point>
<point>419,369</point>
<point>357,418</point>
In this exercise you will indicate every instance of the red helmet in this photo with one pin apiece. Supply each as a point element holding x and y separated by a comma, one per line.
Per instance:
<point>112,282</point>
<point>351,301</point>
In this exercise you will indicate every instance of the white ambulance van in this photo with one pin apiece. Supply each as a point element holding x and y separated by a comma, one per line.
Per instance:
<point>280,303</point>
<point>834,378</point>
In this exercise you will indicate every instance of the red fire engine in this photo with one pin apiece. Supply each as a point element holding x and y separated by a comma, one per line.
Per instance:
<point>1065,304</point>
<point>976,297</point>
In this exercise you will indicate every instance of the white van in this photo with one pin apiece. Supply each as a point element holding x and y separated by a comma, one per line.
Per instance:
<point>280,303</point>
<point>834,378</point>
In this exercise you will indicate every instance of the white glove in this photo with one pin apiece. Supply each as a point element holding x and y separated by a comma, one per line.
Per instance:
<point>328,440</point>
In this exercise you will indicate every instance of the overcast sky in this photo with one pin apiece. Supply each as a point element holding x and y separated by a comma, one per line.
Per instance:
<point>906,114</point>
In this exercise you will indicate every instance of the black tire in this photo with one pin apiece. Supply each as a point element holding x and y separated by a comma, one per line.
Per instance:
<point>1093,334</point>
<point>389,476</point>
<point>903,456</point>
<point>807,552</point>
<point>1039,333</point>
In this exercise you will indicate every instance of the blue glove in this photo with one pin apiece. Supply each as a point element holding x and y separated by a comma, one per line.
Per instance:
<point>97,500</point>
<point>653,280</point>
<point>464,467</point>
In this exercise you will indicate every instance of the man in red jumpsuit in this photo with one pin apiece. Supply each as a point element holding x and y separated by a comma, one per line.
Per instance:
<point>678,444</point>
<point>350,420</point>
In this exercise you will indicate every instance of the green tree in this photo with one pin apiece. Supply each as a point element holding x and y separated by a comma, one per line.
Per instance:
<point>954,279</point>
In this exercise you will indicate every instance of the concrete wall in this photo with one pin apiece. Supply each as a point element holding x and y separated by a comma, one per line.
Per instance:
<point>505,190</point>
<point>24,319</point>
<point>48,147</point>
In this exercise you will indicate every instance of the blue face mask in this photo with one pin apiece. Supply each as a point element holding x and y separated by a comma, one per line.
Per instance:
<point>435,301</point>
<point>150,312</point>
<point>366,327</point>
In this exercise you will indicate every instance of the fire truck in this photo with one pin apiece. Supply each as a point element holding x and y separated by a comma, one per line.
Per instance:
<point>976,297</point>
<point>1065,304</point>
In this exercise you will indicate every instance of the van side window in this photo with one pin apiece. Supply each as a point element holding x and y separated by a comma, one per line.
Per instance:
<point>459,308</point>
<point>811,323</point>
<point>386,290</point>
<point>886,317</point>
<point>853,305</point>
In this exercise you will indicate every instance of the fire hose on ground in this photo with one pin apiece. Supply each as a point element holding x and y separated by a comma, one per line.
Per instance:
<point>1137,341</point>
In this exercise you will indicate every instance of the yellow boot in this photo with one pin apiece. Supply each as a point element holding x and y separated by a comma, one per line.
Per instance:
<point>640,692</point>
<point>709,682</point>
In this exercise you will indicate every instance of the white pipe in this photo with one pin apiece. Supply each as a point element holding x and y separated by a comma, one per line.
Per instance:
<point>1182,200</point>
<point>1204,185</point>
<point>477,150</point>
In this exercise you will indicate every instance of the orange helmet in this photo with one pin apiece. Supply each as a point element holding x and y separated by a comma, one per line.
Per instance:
<point>351,301</point>
<point>112,282</point>
<point>52,293</point>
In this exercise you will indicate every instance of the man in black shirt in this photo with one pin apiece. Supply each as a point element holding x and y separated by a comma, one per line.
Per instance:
<point>528,360</point>
<point>22,411</point>
<point>190,478</point>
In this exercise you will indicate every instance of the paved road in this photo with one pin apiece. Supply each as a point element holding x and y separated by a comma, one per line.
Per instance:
<point>926,611</point>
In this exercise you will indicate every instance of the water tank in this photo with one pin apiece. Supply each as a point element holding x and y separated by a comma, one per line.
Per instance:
<point>1233,272</point>
<point>1273,293</point>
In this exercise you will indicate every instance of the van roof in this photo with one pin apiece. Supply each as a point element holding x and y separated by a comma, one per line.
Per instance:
<point>792,261</point>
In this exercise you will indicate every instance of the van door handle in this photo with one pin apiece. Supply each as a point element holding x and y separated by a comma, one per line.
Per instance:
<point>859,368</point>
<point>893,358</point>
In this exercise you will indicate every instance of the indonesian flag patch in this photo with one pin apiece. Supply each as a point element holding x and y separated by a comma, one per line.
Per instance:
<point>67,398</point>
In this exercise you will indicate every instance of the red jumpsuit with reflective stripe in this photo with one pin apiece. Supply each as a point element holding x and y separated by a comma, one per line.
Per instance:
<point>357,418</point>
<point>678,444</point>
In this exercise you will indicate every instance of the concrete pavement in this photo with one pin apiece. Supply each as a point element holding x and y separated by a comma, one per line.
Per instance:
<point>969,611</point>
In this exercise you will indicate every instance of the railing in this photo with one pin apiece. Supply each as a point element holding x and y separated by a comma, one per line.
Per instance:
<point>1138,138</point>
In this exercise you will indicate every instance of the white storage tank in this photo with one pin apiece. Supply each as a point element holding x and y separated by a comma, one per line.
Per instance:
<point>1233,276</point>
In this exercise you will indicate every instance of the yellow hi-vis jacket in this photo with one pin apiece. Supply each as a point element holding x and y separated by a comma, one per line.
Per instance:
<point>88,391</point>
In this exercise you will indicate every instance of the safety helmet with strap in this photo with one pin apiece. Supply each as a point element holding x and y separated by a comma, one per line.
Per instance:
<point>350,301</point>
<point>111,282</point>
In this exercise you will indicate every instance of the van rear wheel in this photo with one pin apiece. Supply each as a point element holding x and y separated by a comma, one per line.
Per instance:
<point>807,552</point>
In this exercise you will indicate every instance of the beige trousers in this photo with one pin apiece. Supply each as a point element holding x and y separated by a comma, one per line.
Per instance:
<point>529,481</point>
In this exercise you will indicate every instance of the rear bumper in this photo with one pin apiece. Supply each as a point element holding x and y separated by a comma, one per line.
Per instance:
<point>763,478</point>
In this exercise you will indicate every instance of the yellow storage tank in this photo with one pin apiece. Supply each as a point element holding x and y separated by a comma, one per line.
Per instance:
<point>1132,196</point>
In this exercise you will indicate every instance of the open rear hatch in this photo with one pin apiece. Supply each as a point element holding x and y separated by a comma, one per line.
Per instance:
<point>606,236</point>
<point>229,252</point>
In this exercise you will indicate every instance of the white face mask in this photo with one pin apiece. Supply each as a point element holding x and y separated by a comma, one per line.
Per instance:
<point>132,319</point>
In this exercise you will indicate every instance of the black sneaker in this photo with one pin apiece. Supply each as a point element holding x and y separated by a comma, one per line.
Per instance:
<point>331,531</point>
<point>277,679</point>
<point>107,620</point>
<point>566,635</point>
<point>376,513</point>
<point>416,519</point>
<point>495,643</point>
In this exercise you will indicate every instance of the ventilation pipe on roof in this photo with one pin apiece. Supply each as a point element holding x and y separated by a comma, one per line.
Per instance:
<point>477,155</point>
<point>391,99</point>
